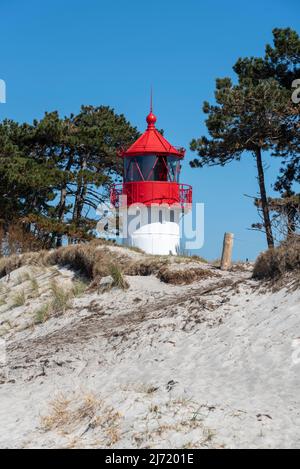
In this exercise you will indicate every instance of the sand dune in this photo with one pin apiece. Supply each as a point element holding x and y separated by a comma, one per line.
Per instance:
<point>210,364</point>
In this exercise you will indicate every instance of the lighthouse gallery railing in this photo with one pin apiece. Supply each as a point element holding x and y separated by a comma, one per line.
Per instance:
<point>151,192</point>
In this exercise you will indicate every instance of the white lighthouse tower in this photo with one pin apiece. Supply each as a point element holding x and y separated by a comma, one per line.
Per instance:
<point>151,200</point>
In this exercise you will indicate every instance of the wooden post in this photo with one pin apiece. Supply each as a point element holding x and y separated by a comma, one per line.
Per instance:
<point>227,251</point>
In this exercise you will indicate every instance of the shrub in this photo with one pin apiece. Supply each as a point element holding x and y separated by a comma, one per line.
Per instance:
<point>148,266</point>
<point>276,262</point>
<point>90,260</point>
<point>79,257</point>
<point>95,259</point>
<point>8,264</point>
<point>184,276</point>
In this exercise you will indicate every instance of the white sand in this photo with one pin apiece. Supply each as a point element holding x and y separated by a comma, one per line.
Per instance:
<point>156,366</point>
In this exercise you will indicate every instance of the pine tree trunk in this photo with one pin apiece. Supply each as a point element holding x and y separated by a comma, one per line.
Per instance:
<point>61,212</point>
<point>62,202</point>
<point>264,200</point>
<point>80,194</point>
<point>291,223</point>
<point>63,192</point>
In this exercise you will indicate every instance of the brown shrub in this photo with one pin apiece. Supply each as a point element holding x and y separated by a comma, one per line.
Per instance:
<point>8,264</point>
<point>95,259</point>
<point>275,263</point>
<point>13,262</point>
<point>103,261</point>
<point>184,276</point>
<point>89,259</point>
<point>147,266</point>
<point>16,239</point>
<point>79,257</point>
<point>92,260</point>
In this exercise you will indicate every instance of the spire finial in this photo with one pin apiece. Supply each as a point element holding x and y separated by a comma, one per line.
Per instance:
<point>151,118</point>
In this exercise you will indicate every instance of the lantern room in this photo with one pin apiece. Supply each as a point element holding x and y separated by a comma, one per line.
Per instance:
<point>151,171</point>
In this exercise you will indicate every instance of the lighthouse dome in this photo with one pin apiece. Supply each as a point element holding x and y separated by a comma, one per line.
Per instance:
<point>151,118</point>
<point>152,142</point>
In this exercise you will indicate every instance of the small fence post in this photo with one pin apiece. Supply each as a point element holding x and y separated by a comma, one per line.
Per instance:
<point>227,251</point>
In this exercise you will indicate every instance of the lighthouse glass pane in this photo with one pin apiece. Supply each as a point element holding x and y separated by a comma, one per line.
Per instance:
<point>160,171</point>
<point>146,164</point>
<point>173,168</point>
<point>151,168</point>
<point>131,170</point>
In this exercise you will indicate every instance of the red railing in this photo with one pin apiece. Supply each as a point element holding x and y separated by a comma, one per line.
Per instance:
<point>186,193</point>
<point>151,192</point>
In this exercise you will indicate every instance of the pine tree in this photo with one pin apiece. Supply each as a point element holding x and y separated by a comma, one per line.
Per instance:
<point>55,170</point>
<point>256,115</point>
<point>281,63</point>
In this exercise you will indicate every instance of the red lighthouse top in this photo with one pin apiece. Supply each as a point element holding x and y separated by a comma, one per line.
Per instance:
<point>152,142</point>
<point>151,171</point>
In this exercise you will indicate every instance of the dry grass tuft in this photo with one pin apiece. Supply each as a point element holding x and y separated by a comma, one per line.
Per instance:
<point>42,314</point>
<point>34,286</point>
<point>13,262</point>
<point>118,278</point>
<point>85,412</point>
<point>61,297</point>
<point>147,266</point>
<point>275,263</point>
<point>59,416</point>
<point>91,260</point>
<point>78,257</point>
<point>60,300</point>
<point>18,299</point>
<point>184,276</point>
<point>79,287</point>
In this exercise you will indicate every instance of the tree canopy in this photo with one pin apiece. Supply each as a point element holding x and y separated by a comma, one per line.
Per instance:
<point>257,115</point>
<point>55,171</point>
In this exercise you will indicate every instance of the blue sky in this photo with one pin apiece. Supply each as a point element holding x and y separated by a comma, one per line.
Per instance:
<point>57,55</point>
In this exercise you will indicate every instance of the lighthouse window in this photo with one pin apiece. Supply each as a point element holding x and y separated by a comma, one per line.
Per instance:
<point>147,165</point>
<point>160,171</point>
<point>173,168</point>
<point>132,172</point>
<point>151,168</point>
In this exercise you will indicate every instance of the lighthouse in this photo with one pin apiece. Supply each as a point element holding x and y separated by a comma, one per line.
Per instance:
<point>151,200</point>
